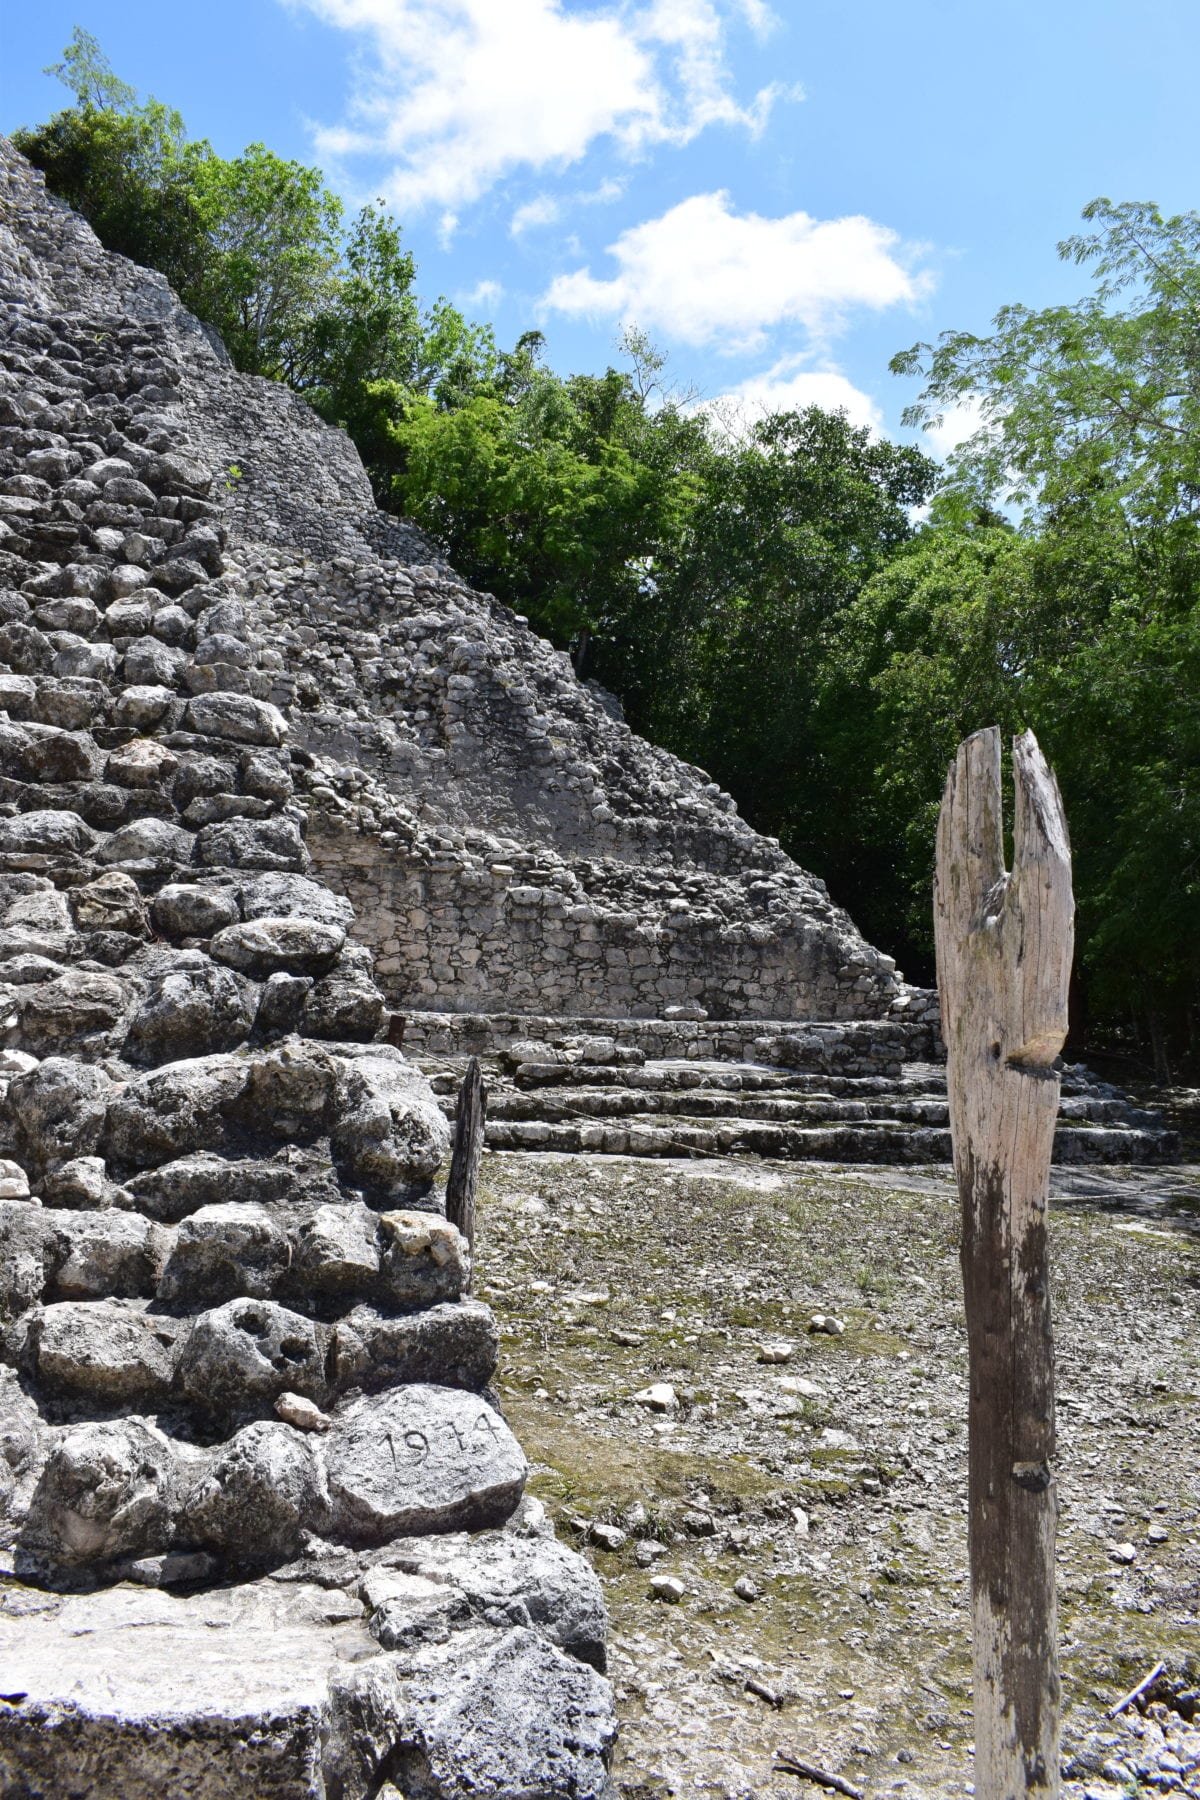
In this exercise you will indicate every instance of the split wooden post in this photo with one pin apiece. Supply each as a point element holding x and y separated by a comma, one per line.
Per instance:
<point>1004,946</point>
<point>470,1118</point>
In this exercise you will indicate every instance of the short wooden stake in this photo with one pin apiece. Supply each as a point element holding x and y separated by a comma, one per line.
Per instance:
<point>1004,946</point>
<point>470,1118</point>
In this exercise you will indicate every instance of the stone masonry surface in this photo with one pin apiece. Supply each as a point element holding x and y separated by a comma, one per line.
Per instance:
<point>262,1525</point>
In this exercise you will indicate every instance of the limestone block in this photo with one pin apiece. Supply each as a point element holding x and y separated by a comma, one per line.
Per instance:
<point>509,1579</point>
<point>263,1490</point>
<point>29,1246</point>
<point>279,895</point>
<point>455,1344</point>
<point>190,1011</point>
<point>143,707</point>
<point>346,1005</point>
<point>504,1714</point>
<point>147,843</point>
<point>106,1490</point>
<point>107,1352</point>
<point>45,833</point>
<point>59,1109</point>
<point>149,663</point>
<point>194,909</point>
<point>237,717</point>
<point>419,1458</point>
<point>142,763</point>
<point>223,1252</point>
<point>136,1691</point>
<point>251,843</point>
<point>109,1253</point>
<point>178,1108</point>
<point>293,946</point>
<point>281,1005</point>
<point>110,903</point>
<point>336,1251</point>
<point>425,1259</point>
<point>187,1183</point>
<point>291,1092</point>
<point>72,1010</point>
<point>390,1134</point>
<point>240,1356</point>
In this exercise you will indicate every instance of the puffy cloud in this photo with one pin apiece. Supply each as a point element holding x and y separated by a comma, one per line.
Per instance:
<point>790,387</point>
<point>543,209</point>
<point>703,272</point>
<point>485,294</point>
<point>460,93</point>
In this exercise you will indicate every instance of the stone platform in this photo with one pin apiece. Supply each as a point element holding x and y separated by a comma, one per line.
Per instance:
<point>284,1689</point>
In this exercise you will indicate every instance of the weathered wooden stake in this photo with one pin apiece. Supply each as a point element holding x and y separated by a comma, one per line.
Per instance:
<point>1004,944</point>
<point>470,1117</point>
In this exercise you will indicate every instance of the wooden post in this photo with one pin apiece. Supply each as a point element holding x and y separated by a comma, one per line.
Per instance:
<point>1004,945</point>
<point>470,1117</point>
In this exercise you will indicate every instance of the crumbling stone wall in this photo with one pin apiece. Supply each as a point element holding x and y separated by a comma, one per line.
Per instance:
<point>507,842</point>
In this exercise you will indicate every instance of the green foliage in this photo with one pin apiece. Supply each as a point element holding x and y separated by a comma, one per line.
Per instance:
<point>122,166</point>
<point>786,527</point>
<point>273,232</point>
<point>1095,404</point>
<point>88,73</point>
<point>537,488</point>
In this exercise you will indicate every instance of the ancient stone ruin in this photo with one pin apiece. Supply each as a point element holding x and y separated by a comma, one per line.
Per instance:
<point>246,1425</point>
<point>277,791</point>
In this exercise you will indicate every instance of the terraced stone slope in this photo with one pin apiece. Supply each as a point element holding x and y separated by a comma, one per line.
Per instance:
<point>261,1522</point>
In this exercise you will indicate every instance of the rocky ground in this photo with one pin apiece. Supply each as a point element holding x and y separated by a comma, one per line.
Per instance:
<point>804,1488</point>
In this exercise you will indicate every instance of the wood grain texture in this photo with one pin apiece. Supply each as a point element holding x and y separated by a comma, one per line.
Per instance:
<point>1004,947</point>
<point>470,1119</point>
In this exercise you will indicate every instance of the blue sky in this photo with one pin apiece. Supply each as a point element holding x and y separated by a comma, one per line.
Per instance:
<point>782,195</point>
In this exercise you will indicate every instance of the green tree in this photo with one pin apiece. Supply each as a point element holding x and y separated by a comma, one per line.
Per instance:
<point>539,490</point>
<point>122,165</point>
<point>787,525</point>
<point>1090,433</point>
<point>274,233</point>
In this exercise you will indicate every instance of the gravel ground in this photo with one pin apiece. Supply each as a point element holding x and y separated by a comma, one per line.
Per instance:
<point>812,1510</point>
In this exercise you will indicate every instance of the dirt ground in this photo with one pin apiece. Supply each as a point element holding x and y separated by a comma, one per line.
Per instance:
<point>831,1487</point>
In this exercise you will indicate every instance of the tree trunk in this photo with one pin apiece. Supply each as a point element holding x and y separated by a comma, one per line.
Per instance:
<point>470,1117</point>
<point>1004,945</point>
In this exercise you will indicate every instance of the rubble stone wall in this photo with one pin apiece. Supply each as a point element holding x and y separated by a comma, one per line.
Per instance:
<point>239,1358</point>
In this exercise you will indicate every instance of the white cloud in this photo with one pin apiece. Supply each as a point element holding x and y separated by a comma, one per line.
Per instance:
<point>485,294</point>
<point>958,423</point>
<point>543,209</point>
<point>546,209</point>
<point>702,272</point>
<point>789,387</point>
<point>758,15</point>
<point>459,93</point>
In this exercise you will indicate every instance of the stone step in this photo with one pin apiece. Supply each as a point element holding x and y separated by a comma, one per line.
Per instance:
<point>815,1109</point>
<point>880,1046</point>
<point>878,1141</point>
<point>550,1103</point>
<point>595,1094</point>
<point>730,1078</point>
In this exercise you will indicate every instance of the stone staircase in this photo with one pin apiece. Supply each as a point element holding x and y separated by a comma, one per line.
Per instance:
<point>800,1092</point>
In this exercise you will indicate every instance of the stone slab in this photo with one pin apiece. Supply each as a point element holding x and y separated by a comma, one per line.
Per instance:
<point>133,1694</point>
<point>420,1458</point>
<point>273,1692</point>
